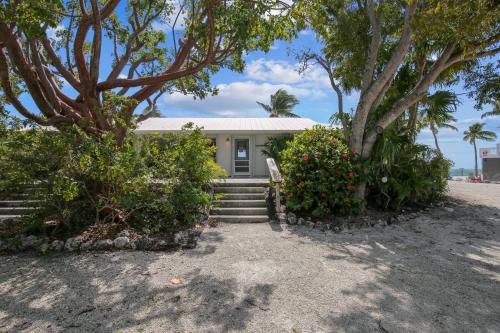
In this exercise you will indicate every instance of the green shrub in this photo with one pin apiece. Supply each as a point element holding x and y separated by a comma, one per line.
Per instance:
<point>404,173</point>
<point>318,173</point>
<point>155,183</point>
<point>275,145</point>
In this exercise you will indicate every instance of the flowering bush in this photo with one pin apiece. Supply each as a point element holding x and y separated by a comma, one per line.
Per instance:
<point>318,173</point>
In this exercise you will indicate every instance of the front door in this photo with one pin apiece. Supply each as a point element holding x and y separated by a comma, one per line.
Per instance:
<point>241,160</point>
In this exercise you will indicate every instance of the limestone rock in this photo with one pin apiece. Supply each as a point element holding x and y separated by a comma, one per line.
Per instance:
<point>144,244</point>
<point>186,239</point>
<point>86,246</point>
<point>104,244</point>
<point>30,242</point>
<point>73,244</point>
<point>121,242</point>
<point>57,245</point>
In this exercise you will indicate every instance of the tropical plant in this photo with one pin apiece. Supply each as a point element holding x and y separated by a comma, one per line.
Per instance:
<point>318,173</point>
<point>473,134</point>
<point>207,36</point>
<point>437,112</point>
<point>404,173</point>
<point>367,43</point>
<point>282,104</point>
<point>275,145</point>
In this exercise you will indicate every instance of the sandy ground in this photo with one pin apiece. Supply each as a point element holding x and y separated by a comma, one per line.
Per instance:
<point>437,273</point>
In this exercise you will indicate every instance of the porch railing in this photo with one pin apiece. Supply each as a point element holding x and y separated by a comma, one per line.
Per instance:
<point>277,180</point>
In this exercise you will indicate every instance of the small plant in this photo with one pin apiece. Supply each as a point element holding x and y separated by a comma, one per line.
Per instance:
<point>275,145</point>
<point>319,174</point>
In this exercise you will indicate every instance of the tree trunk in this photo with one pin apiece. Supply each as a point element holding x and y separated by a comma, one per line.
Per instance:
<point>412,120</point>
<point>475,159</point>
<point>434,134</point>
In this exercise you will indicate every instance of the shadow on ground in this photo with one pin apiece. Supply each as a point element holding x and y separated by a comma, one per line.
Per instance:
<point>61,293</point>
<point>437,273</point>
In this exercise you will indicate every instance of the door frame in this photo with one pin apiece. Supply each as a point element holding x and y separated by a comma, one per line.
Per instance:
<point>251,152</point>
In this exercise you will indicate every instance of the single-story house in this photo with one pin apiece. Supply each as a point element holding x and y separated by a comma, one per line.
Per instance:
<point>490,158</point>
<point>239,141</point>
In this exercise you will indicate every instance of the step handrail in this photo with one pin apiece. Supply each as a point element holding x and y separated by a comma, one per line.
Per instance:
<point>276,179</point>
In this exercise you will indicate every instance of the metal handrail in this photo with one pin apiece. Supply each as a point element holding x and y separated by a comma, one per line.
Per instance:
<point>277,180</point>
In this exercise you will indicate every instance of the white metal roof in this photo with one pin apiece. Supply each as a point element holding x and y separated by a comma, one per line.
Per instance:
<point>228,124</point>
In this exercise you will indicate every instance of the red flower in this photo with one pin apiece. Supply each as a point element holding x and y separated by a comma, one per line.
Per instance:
<point>334,142</point>
<point>323,194</point>
<point>350,174</point>
<point>306,157</point>
<point>354,151</point>
<point>346,156</point>
<point>349,187</point>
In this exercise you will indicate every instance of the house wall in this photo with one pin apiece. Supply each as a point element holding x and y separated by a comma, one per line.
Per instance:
<point>225,151</point>
<point>491,169</point>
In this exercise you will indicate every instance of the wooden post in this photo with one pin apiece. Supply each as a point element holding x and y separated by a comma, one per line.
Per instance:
<point>276,179</point>
<point>278,199</point>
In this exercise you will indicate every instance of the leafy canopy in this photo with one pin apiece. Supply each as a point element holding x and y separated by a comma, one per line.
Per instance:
<point>156,46</point>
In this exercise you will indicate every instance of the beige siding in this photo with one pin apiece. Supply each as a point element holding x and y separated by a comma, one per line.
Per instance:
<point>224,152</point>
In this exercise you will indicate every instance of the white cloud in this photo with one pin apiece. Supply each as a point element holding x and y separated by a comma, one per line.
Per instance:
<point>122,76</point>
<point>236,99</point>
<point>282,72</point>
<point>52,32</point>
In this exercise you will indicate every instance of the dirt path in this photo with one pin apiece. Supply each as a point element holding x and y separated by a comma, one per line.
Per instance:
<point>437,273</point>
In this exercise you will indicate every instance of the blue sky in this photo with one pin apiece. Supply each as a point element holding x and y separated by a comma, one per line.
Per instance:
<point>265,73</point>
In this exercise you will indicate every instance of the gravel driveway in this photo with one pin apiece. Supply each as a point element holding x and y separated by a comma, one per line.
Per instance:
<point>439,272</point>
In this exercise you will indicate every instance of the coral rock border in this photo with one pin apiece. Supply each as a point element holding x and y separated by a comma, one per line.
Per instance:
<point>186,239</point>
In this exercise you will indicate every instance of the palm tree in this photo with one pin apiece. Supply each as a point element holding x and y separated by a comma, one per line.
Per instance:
<point>282,104</point>
<point>494,112</point>
<point>437,110</point>
<point>475,133</point>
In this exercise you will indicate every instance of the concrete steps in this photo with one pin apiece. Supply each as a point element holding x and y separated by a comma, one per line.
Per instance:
<point>243,196</point>
<point>16,210</point>
<point>240,189</point>
<point>17,204</point>
<point>242,201</point>
<point>241,219</point>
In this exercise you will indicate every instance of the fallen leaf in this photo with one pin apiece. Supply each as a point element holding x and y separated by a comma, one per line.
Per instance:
<point>176,280</point>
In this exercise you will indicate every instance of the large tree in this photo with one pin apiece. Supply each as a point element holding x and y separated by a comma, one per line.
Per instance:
<point>369,42</point>
<point>473,134</point>
<point>195,38</point>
